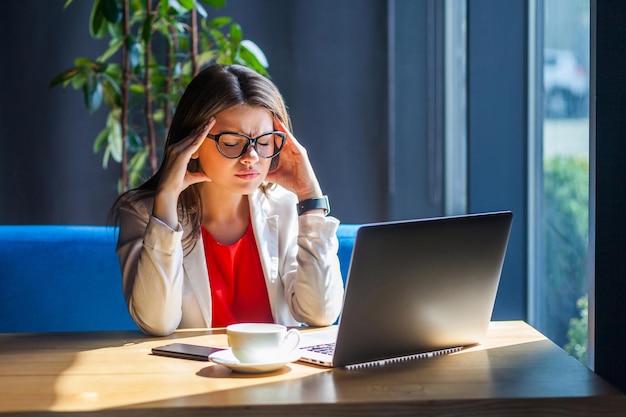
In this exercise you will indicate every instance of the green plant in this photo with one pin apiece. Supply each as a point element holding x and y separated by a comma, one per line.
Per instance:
<point>155,48</point>
<point>578,333</point>
<point>566,214</point>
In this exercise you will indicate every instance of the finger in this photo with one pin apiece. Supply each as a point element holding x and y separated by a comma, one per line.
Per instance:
<point>209,125</point>
<point>280,126</point>
<point>197,177</point>
<point>203,129</point>
<point>201,132</point>
<point>192,143</point>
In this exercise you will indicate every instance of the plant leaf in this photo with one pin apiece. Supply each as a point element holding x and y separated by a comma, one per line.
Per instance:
<point>134,52</point>
<point>114,71</point>
<point>201,10</point>
<point>256,52</point>
<point>101,140</point>
<point>220,21</point>
<point>187,4</point>
<point>206,57</point>
<point>220,40</point>
<point>83,62</point>
<point>113,90</point>
<point>146,30</point>
<point>136,167</point>
<point>92,91</point>
<point>163,7</point>
<point>63,77</point>
<point>97,20</point>
<point>177,7</point>
<point>215,3</point>
<point>79,80</point>
<point>105,157</point>
<point>135,144</point>
<point>112,10</point>
<point>137,88</point>
<point>115,141</point>
<point>236,34</point>
<point>158,115</point>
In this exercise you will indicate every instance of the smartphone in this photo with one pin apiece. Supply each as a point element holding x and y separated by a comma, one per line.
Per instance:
<point>185,351</point>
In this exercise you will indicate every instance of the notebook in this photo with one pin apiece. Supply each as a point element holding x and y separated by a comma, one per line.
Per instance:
<point>415,289</point>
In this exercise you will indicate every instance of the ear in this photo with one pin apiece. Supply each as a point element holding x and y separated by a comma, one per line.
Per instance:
<point>193,166</point>
<point>195,155</point>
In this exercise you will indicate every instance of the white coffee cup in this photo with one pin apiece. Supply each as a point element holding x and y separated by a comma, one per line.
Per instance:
<point>261,342</point>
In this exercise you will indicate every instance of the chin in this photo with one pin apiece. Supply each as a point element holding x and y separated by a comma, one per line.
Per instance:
<point>248,189</point>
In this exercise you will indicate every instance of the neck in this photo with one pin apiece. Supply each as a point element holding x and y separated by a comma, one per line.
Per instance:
<point>224,214</point>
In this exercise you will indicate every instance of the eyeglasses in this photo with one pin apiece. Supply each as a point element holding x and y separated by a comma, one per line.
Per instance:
<point>232,145</point>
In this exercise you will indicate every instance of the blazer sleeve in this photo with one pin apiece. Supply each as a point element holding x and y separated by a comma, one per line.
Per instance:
<point>316,293</point>
<point>311,272</point>
<point>151,260</point>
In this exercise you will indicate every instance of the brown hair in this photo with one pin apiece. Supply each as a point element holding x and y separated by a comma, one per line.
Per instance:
<point>214,89</point>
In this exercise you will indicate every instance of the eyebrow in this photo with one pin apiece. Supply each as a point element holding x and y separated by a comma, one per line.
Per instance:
<point>246,134</point>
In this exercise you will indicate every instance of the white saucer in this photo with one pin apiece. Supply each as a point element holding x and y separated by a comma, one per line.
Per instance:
<point>225,357</point>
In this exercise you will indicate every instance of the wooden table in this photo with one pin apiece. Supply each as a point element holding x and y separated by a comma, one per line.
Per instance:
<point>517,371</point>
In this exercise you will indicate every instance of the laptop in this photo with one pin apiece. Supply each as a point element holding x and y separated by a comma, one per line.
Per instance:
<point>415,288</point>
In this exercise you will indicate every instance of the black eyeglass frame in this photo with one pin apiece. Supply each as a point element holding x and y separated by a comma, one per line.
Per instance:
<point>251,141</point>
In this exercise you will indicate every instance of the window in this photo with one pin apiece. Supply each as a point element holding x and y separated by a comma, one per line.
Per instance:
<point>559,170</point>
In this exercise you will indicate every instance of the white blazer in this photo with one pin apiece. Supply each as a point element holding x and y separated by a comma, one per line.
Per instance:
<point>165,289</point>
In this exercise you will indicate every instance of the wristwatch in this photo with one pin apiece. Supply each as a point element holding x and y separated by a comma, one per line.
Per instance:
<point>314,204</point>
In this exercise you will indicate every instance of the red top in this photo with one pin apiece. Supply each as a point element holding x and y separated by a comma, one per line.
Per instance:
<point>238,290</point>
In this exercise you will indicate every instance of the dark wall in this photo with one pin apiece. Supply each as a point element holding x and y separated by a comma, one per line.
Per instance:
<point>48,172</point>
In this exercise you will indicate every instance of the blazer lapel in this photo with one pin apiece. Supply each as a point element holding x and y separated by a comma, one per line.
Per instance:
<point>197,274</point>
<point>266,234</point>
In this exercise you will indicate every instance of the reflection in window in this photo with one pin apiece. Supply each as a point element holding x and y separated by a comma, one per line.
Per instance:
<point>559,307</point>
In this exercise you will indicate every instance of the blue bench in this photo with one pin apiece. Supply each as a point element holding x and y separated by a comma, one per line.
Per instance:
<point>67,278</point>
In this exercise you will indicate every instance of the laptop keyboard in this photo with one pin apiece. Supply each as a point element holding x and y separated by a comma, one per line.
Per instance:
<point>325,348</point>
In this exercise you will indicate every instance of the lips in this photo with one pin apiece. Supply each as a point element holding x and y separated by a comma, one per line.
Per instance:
<point>247,174</point>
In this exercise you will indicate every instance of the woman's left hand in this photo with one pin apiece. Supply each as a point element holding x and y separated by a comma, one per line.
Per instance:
<point>294,172</point>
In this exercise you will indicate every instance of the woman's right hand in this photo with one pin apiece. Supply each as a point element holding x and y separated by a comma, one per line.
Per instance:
<point>176,177</point>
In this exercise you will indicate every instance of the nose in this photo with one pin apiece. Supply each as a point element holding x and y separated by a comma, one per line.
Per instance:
<point>250,156</point>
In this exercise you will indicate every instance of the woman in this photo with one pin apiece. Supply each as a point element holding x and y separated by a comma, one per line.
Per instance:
<point>233,225</point>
